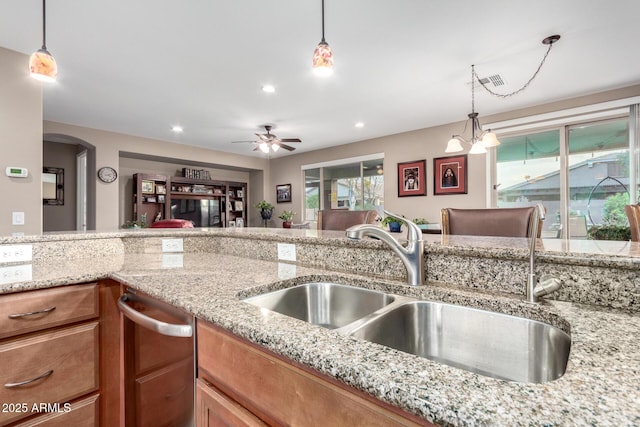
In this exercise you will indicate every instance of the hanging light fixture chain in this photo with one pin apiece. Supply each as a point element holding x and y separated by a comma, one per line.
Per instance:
<point>507,95</point>
<point>323,20</point>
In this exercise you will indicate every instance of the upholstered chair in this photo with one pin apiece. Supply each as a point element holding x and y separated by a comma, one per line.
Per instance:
<point>501,222</point>
<point>633,213</point>
<point>339,219</point>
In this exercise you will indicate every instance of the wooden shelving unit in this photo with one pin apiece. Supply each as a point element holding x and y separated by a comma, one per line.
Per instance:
<point>208,203</point>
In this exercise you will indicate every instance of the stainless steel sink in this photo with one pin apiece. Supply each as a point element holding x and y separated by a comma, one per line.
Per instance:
<point>484,342</point>
<point>326,304</point>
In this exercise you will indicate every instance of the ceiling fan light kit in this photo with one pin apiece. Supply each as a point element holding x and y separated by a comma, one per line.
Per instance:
<point>481,140</point>
<point>42,65</point>
<point>323,55</point>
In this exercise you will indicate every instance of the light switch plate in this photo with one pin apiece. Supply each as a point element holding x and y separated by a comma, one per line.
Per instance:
<point>172,245</point>
<point>15,253</point>
<point>286,252</point>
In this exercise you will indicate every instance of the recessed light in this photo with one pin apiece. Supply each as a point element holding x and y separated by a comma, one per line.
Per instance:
<point>177,129</point>
<point>268,89</point>
<point>359,125</point>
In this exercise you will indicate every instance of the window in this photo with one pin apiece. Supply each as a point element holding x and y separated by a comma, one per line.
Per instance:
<point>351,184</point>
<point>579,171</point>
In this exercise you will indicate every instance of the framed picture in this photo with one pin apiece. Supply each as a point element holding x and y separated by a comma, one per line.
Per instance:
<point>239,206</point>
<point>230,193</point>
<point>232,224</point>
<point>283,193</point>
<point>147,187</point>
<point>161,198</point>
<point>151,199</point>
<point>240,193</point>
<point>161,189</point>
<point>450,175</point>
<point>412,178</point>
<point>239,222</point>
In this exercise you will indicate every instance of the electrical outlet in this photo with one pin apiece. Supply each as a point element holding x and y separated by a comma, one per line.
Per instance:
<point>15,253</point>
<point>286,251</point>
<point>286,271</point>
<point>17,218</point>
<point>15,273</point>
<point>172,245</point>
<point>172,260</point>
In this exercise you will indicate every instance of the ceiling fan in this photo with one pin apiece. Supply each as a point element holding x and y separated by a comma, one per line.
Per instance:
<point>270,142</point>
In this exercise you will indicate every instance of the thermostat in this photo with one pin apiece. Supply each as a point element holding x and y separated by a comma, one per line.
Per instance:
<point>17,172</point>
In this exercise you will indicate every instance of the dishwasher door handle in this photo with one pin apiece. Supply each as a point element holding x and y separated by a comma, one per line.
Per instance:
<point>169,329</point>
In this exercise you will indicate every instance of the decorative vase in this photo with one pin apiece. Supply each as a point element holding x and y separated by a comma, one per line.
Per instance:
<point>395,227</point>
<point>286,224</point>
<point>266,214</point>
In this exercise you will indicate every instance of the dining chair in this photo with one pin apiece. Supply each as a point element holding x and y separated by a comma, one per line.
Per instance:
<point>499,222</point>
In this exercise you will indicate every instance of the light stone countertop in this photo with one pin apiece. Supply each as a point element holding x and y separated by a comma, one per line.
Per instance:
<point>601,386</point>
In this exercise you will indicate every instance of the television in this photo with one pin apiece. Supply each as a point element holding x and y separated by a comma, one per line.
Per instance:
<point>202,212</point>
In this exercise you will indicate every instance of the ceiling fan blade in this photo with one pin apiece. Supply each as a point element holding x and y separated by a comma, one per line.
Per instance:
<point>290,140</point>
<point>262,137</point>
<point>286,147</point>
<point>235,142</point>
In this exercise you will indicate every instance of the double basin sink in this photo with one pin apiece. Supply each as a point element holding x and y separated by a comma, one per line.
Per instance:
<point>487,343</point>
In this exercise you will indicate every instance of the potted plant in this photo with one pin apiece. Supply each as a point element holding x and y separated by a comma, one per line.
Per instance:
<point>395,225</point>
<point>266,209</point>
<point>286,217</point>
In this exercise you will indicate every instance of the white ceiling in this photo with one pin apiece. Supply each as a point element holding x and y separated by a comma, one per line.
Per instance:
<point>140,66</point>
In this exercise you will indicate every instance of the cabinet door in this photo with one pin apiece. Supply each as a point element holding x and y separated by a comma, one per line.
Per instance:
<point>214,409</point>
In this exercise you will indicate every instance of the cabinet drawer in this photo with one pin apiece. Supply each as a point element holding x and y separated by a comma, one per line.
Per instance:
<point>66,359</point>
<point>165,397</point>
<point>83,413</point>
<point>215,409</point>
<point>35,310</point>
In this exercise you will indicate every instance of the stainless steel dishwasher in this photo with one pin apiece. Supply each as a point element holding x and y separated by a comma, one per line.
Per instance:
<point>159,383</point>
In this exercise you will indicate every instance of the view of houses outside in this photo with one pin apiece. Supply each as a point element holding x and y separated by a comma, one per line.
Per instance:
<point>528,172</point>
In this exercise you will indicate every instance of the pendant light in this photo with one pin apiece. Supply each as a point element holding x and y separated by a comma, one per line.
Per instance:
<point>481,140</point>
<point>323,56</point>
<point>42,65</point>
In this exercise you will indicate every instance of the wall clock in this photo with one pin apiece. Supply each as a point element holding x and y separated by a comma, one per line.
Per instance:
<point>107,174</point>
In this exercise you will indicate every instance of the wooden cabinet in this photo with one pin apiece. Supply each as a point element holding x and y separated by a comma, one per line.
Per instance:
<point>277,391</point>
<point>50,356</point>
<point>205,202</point>
<point>214,409</point>
<point>149,198</point>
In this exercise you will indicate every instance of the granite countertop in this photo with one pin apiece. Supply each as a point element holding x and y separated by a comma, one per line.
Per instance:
<point>600,387</point>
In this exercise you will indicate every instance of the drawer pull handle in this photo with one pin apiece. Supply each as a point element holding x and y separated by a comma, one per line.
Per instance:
<point>20,384</point>
<point>33,313</point>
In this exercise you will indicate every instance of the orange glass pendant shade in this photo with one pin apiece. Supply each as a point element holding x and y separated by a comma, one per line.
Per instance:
<point>323,59</point>
<point>42,66</point>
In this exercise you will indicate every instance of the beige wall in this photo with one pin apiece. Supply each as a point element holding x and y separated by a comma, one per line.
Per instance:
<point>109,213</point>
<point>421,144</point>
<point>21,144</point>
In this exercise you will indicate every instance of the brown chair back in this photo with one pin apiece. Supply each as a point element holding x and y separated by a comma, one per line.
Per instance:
<point>633,213</point>
<point>502,222</point>
<point>339,219</point>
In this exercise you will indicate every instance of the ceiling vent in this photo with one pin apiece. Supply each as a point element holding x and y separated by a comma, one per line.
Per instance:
<point>495,80</point>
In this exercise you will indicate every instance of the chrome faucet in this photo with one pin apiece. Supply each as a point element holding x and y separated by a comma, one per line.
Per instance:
<point>538,288</point>
<point>412,256</point>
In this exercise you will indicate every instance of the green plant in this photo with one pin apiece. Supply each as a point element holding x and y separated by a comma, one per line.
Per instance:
<point>609,232</point>
<point>287,215</point>
<point>134,224</point>
<point>264,205</point>
<point>389,219</point>
<point>419,221</point>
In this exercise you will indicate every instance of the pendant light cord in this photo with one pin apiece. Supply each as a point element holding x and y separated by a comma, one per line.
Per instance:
<point>44,25</point>
<point>322,21</point>
<point>474,75</point>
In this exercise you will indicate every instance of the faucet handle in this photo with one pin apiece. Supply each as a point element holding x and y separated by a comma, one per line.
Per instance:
<point>413,231</point>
